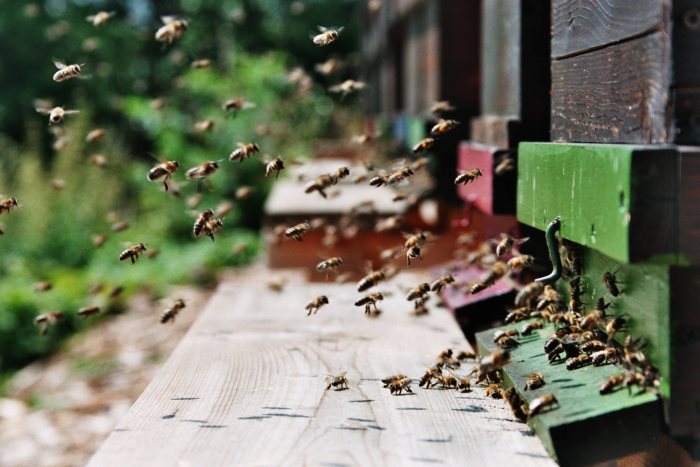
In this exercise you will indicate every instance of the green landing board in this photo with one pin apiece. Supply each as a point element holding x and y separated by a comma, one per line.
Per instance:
<point>586,422</point>
<point>589,186</point>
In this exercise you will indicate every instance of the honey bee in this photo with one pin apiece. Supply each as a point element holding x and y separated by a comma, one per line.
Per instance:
<point>611,283</point>
<point>319,184</point>
<point>95,135</point>
<point>370,300</point>
<point>236,105</point>
<point>327,36</point>
<point>206,224</point>
<point>518,314</point>
<point>495,272</point>
<point>244,151</point>
<point>379,180</point>
<point>338,383</point>
<point>98,160</point>
<point>505,341</point>
<point>521,262</point>
<point>244,192</point>
<point>443,126</point>
<point>419,292</point>
<point>464,384</point>
<point>56,114</point>
<point>399,175</point>
<point>172,29</point>
<point>393,378</point>
<point>297,231</point>
<point>612,383</point>
<point>132,253</point>
<point>170,314</point>
<point>203,125</point>
<point>8,204</point>
<point>607,355</point>
<point>99,240</point>
<point>529,328</point>
<point>346,87</point>
<point>491,363</point>
<point>548,297</point>
<point>506,244</point>
<point>100,18</point>
<point>506,164</point>
<point>88,311</point>
<point>592,346</point>
<point>391,253</point>
<point>370,280</point>
<point>202,171</point>
<point>116,292</point>
<point>441,107</point>
<point>223,208</point>
<point>44,320</point>
<point>201,63</point>
<point>466,355</point>
<point>66,71</point>
<point>314,305</point>
<point>329,265</point>
<point>328,67</point>
<point>430,374</point>
<point>505,332</point>
<point>274,166</point>
<point>539,405</point>
<point>493,391</point>
<point>164,170</point>
<point>465,177</point>
<point>399,385</point>
<point>614,326</point>
<point>447,380</point>
<point>423,145</point>
<point>534,381</point>
<point>339,174</point>
<point>445,358</point>
<point>119,226</point>
<point>42,286</point>
<point>441,283</point>
<point>575,363</point>
<point>517,406</point>
<point>276,285</point>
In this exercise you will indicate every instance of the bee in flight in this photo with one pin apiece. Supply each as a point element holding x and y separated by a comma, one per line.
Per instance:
<point>423,145</point>
<point>297,231</point>
<point>521,262</point>
<point>44,320</point>
<point>88,311</point>
<point>56,114</point>
<point>275,166</point>
<point>201,126</point>
<point>207,224</point>
<point>172,311</point>
<point>329,265</point>
<point>132,252</point>
<point>327,36</point>
<point>506,244</point>
<point>314,305</point>
<point>100,18</point>
<point>469,176</point>
<point>244,151</point>
<point>443,126</point>
<point>441,107</point>
<point>173,28</point>
<point>95,135</point>
<point>236,105</point>
<point>201,63</point>
<point>201,171</point>
<point>329,67</point>
<point>347,86</point>
<point>8,204</point>
<point>66,72</point>
<point>370,300</point>
<point>165,170</point>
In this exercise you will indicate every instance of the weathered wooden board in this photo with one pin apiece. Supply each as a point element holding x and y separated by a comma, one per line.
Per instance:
<point>580,431</point>
<point>583,25</point>
<point>246,387</point>
<point>617,94</point>
<point>621,200</point>
<point>492,193</point>
<point>689,203</point>
<point>491,130</point>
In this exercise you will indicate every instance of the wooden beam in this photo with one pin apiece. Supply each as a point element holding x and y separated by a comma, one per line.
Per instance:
<point>246,386</point>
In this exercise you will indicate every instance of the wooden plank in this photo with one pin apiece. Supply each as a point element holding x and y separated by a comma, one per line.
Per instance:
<point>246,387</point>
<point>491,130</point>
<point>621,200</point>
<point>580,430</point>
<point>492,193</point>
<point>689,199</point>
<point>618,94</point>
<point>582,25</point>
<point>686,39</point>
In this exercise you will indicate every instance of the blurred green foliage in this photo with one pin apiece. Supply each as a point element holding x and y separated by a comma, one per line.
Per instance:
<point>253,45</point>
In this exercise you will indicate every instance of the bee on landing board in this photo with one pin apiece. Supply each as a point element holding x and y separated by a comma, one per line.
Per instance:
<point>539,405</point>
<point>244,151</point>
<point>534,381</point>
<point>100,18</point>
<point>469,176</point>
<point>517,405</point>
<point>165,170</point>
<point>338,383</point>
<point>56,114</point>
<point>173,28</point>
<point>170,314</point>
<point>66,72</point>
<point>326,36</point>
<point>398,385</point>
<point>132,253</point>
<point>314,305</point>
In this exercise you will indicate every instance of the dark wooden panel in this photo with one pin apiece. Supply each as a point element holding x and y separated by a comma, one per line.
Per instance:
<point>689,202</point>
<point>580,25</point>
<point>686,42</point>
<point>686,105</point>
<point>617,94</point>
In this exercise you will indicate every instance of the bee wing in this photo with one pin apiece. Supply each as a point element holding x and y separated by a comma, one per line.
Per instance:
<point>340,29</point>
<point>168,19</point>
<point>322,29</point>
<point>519,241</point>
<point>69,112</point>
<point>90,18</point>
<point>248,105</point>
<point>398,163</point>
<point>43,111</point>
<point>59,64</point>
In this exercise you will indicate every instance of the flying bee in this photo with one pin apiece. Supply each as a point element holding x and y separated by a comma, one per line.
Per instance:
<point>442,282</point>
<point>399,385</point>
<point>99,240</point>
<point>116,292</point>
<point>465,177</point>
<point>119,226</point>
<point>338,383</point>
<point>370,300</point>
<point>445,358</point>
<point>534,381</point>
<point>173,28</point>
<point>614,326</point>
<point>328,67</point>
<point>44,320</point>
<point>8,204</point>
<point>611,283</point>
<point>202,171</point>
<point>275,166</point>
<point>529,328</point>
<point>506,244</point>
<point>88,311</point>
<point>206,224</point>
<point>388,223</point>
<point>236,105</point>
<point>517,406</point>
<point>276,285</point>
<point>346,87</point>
<point>370,280</point>
<point>95,135</point>
<point>521,262</point>
<point>327,36</point>
<point>441,107</point>
<point>319,184</point>
<point>203,125</point>
<point>165,170</point>
<point>100,18</point>
<point>66,71</point>
<point>314,305</point>
<point>419,292</point>
<point>98,160</point>
<point>495,272</point>
<point>379,180</point>
<point>201,63</point>
<point>297,231</point>
<point>538,405</point>
<point>56,114</point>
<point>132,253</point>
<point>506,164</point>
<point>330,264</point>
<point>443,126</point>
<point>612,383</point>
<point>493,391</point>
<point>339,174</point>
<point>244,192</point>
<point>466,355</point>
<point>223,208</point>
<point>170,314</point>
<point>42,286</point>
<point>244,151</point>
<point>423,145</point>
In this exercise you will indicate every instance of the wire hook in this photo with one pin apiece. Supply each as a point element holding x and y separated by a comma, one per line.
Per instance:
<point>553,247</point>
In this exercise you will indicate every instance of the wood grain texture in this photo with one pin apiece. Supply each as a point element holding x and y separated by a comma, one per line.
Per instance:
<point>246,387</point>
<point>581,25</point>
<point>618,94</point>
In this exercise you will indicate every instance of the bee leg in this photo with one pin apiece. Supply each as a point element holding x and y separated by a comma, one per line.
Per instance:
<point>165,183</point>
<point>211,235</point>
<point>133,260</point>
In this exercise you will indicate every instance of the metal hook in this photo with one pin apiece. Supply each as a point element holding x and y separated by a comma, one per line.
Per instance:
<point>553,247</point>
